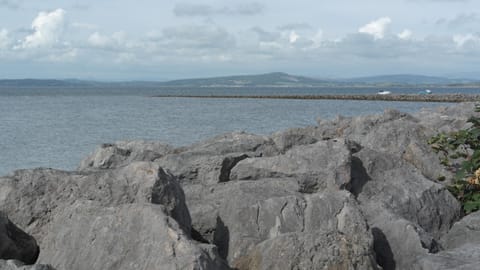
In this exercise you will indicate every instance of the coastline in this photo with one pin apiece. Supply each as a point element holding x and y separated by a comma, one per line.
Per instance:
<point>453,98</point>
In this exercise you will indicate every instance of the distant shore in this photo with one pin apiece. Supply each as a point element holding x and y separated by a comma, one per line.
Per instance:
<point>454,98</point>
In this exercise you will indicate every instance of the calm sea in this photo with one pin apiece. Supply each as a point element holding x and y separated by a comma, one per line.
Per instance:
<point>58,127</point>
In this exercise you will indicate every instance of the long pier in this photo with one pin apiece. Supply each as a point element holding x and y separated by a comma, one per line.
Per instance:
<point>374,97</point>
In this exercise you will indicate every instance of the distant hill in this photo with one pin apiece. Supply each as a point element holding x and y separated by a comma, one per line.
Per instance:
<point>269,79</point>
<point>406,79</point>
<point>44,83</point>
<point>276,79</point>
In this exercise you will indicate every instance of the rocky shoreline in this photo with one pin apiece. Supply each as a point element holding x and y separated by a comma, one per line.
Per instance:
<point>453,98</point>
<point>349,193</point>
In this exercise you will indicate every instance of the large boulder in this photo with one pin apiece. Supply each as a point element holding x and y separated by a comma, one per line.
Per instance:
<point>235,142</point>
<point>192,167</point>
<point>240,215</point>
<point>285,140</point>
<point>210,162</point>
<point>114,155</point>
<point>87,235</point>
<point>394,133</point>
<point>462,248</point>
<point>15,244</point>
<point>407,212</point>
<point>466,257</point>
<point>321,165</point>
<point>447,118</point>
<point>467,230</point>
<point>39,192</point>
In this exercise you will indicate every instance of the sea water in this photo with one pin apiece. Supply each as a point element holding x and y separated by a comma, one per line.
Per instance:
<point>56,129</point>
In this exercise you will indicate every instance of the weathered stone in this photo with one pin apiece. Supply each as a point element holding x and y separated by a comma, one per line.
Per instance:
<point>119,154</point>
<point>235,142</point>
<point>321,165</point>
<point>408,212</point>
<point>15,244</point>
<point>285,140</point>
<point>466,257</point>
<point>239,215</point>
<point>87,235</point>
<point>394,133</point>
<point>193,167</point>
<point>333,250</point>
<point>322,231</point>
<point>467,230</point>
<point>39,192</point>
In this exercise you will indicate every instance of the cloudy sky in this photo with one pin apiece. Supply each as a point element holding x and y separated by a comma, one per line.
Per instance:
<point>160,40</point>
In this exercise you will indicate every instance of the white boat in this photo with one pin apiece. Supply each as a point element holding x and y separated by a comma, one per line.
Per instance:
<point>384,92</point>
<point>425,92</point>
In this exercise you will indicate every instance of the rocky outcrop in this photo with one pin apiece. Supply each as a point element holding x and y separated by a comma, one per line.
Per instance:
<point>109,156</point>
<point>39,192</point>
<point>318,166</point>
<point>350,193</point>
<point>462,247</point>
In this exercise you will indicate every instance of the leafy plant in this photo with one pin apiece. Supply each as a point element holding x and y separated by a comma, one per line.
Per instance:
<point>464,145</point>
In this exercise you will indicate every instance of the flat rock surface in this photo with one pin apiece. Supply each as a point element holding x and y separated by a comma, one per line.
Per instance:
<point>132,236</point>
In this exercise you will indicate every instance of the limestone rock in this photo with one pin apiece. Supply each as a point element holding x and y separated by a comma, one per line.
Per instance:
<point>121,153</point>
<point>320,165</point>
<point>467,230</point>
<point>39,192</point>
<point>237,216</point>
<point>86,235</point>
<point>407,212</point>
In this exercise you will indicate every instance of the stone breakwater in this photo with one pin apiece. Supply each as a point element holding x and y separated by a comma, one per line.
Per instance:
<point>348,193</point>
<point>454,98</point>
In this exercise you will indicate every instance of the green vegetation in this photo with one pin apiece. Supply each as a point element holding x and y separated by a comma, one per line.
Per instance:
<point>460,153</point>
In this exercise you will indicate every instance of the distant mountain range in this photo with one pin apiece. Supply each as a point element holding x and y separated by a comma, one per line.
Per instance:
<point>276,79</point>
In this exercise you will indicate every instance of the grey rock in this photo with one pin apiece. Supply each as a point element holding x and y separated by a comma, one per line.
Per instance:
<point>394,133</point>
<point>235,142</point>
<point>322,231</point>
<point>237,216</point>
<point>320,165</point>
<point>407,212</point>
<point>87,235</point>
<point>15,244</point>
<point>332,250</point>
<point>121,153</point>
<point>467,230</point>
<point>210,162</point>
<point>39,192</point>
<point>210,206</point>
<point>17,265</point>
<point>285,140</point>
<point>447,118</point>
<point>194,167</point>
<point>465,257</point>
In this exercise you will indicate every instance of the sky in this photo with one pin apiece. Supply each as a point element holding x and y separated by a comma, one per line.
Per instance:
<point>164,40</point>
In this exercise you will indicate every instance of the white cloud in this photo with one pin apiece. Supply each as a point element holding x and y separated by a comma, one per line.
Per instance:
<point>405,34</point>
<point>293,37</point>
<point>116,40</point>
<point>376,28</point>
<point>98,40</point>
<point>4,39</point>
<point>462,39</point>
<point>317,39</point>
<point>47,29</point>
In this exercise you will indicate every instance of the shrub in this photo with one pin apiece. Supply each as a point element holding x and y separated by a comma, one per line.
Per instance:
<point>462,145</point>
